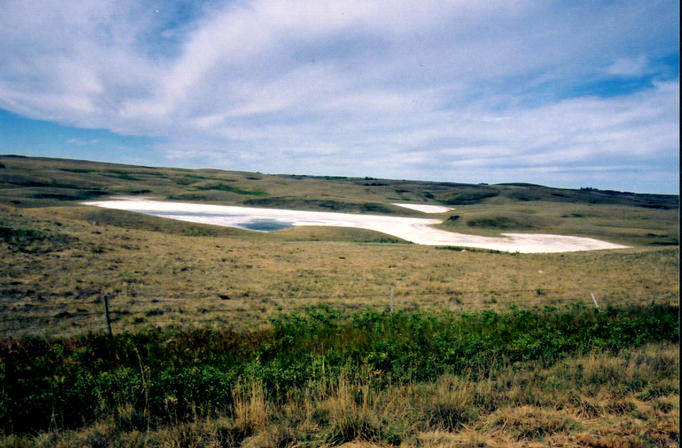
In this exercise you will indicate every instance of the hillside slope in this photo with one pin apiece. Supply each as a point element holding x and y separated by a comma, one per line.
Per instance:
<point>620,217</point>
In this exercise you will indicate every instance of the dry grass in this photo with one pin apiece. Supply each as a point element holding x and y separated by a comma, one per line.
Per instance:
<point>239,278</point>
<point>581,408</point>
<point>164,272</point>
<point>612,222</point>
<point>250,408</point>
<point>530,423</point>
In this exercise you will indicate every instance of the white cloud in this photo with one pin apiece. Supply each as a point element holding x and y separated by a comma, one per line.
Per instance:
<point>629,66</point>
<point>427,87</point>
<point>81,142</point>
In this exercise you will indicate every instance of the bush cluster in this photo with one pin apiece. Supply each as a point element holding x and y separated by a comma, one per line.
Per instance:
<point>165,376</point>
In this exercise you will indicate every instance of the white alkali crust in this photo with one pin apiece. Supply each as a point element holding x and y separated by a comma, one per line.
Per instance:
<point>415,230</point>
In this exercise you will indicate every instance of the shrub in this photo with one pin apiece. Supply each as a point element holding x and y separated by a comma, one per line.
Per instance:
<point>179,375</point>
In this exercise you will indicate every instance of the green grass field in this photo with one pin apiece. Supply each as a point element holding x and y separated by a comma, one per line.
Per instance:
<point>169,282</point>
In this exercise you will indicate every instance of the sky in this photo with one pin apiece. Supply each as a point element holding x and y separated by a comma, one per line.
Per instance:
<point>560,93</point>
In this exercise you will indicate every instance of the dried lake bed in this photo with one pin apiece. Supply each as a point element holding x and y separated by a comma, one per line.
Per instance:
<point>415,230</point>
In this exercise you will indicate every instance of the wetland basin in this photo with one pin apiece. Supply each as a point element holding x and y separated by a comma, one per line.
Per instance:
<point>415,230</point>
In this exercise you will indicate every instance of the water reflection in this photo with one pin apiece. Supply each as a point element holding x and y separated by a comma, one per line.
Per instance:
<point>242,221</point>
<point>266,225</point>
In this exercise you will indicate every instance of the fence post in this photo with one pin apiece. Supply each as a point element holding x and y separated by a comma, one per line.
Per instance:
<point>594,300</point>
<point>106,313</point>
<point>392,301</point>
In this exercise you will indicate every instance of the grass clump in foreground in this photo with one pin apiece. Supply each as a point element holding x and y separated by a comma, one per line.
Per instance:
<point>326,377</point>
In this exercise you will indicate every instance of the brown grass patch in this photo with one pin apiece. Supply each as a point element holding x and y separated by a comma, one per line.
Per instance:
<point>159,278</point>
<point>529,423</point>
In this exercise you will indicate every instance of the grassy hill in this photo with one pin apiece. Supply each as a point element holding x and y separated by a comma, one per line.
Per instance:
<point>27,181</point>
<point>629,218</point>
<point>225,337</point>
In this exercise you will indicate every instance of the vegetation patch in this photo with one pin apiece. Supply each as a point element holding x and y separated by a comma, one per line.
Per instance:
<point>529,423</point>
<point>20,236</point>
<point>499,222</point>
<point>471,197</point>
<point>169,376</point>
<point>230,188</point>
<point>73,195</point>
<point>29,237</point>
<point>322,204</point>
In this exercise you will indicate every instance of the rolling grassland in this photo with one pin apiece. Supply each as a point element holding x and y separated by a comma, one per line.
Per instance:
<point>226,337</point>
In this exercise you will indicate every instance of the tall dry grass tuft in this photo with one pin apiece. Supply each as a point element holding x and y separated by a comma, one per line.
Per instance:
<point>531,423</point>
<point>350,410</point>
<point>599,370</point>
<point>586,408</point>
<point>447,405</point>
<point>350,413</point>
<point>251,410</point>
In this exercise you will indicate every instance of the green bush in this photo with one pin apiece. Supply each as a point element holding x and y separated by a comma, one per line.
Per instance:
<point>157,377</point>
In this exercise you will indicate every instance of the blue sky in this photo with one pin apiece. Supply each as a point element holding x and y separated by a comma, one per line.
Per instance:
<point>563,93</point>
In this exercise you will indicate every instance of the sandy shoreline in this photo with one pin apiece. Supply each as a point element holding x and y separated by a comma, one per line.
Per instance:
<point>416,230</point>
